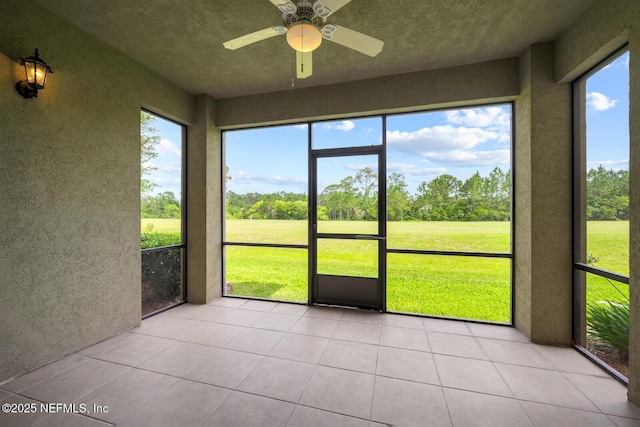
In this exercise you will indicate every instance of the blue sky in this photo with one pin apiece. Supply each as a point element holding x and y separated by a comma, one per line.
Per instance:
<point>168,164</point>
<point>420,146</point>
<point>608,116</point>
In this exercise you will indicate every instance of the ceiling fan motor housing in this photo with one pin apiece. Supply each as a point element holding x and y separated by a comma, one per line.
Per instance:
<point>304,25</point>
<point>306,12</point>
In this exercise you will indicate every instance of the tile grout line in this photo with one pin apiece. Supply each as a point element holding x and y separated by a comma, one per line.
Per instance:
<point>562,374</point>
<point>45,379</point>
<point>446,403</point>
<point>375,380</point>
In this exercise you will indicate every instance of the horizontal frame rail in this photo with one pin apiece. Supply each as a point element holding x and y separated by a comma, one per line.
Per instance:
<point>164,248</point>
<point>348,151</point>
<point>602,273</point>
<point>360,236</point>
<point>266,245</point>
<point>450,253</point>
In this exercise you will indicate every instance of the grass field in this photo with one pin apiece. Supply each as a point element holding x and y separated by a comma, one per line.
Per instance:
<point>609,242</point>
<point>463,287</point>
<point>160,224</point>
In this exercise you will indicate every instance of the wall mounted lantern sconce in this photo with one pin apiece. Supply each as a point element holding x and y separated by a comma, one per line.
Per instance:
<point>36,71</point>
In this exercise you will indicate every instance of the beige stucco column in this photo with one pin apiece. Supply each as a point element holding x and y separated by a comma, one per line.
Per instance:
<point>204,205</point>
<point>634,208</point>
<point>543,273</point>
<point>604,27</point>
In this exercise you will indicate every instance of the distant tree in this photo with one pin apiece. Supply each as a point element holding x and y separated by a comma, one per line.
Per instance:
<point>398,200</point>
<point>472,198</point>
<point>349,198</point>
<point>330,199</point>
<point>171,211</point>
<point>445,198</point>
<point>437,199</point>
<point>148,141</point>
<point>607,194</point>
<point>163,205</point>
<point>368,181</point>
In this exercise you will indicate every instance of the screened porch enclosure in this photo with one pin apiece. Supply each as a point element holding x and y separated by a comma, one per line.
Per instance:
<point>405,213</point>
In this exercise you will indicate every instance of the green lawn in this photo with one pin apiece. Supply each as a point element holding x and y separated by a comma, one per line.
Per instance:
<point>160,224</point>
<point>463,287</point>
<point>609,242</point>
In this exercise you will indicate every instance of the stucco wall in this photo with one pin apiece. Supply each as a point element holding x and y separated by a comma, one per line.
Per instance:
<point>634,206</point>
<point>543,201</point>
<point>522,207</point>
<point>69,189</point>
<point>204,213</point>
<point>492,81</point>
<point>601,29</point>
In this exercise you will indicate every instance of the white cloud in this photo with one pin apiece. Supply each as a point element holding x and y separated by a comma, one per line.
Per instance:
<point>610,164</point>
<point>621,60</point>
<point>170,169</point>
<point>470,158</point>
<point>166,146</point>
<point>495,119</point>
<point>301,127</point>
<point>439,139</point>
<point>164,180</point>
<point>241,177</point>
<point>353,167</point>
<point>408,169</point>
<point>600,102</point>
<point>625,61</point>
<point>345,126</point>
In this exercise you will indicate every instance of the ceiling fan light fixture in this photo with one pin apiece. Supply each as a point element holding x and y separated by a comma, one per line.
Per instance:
<point>304,37</point>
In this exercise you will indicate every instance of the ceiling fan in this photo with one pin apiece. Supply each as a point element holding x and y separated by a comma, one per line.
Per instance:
<point>304,23</point>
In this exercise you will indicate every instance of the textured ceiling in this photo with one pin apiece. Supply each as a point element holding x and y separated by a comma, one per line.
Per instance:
<point>182,40</point>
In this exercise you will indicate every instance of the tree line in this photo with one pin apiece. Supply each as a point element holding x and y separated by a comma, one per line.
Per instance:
<point>445,198</point>
<point>607,194</point>
<point>163,205</point>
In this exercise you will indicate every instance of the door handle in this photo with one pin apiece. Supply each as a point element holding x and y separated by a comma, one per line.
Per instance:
<point>368,237</point>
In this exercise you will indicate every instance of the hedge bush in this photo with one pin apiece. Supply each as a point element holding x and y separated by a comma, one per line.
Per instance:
<point>161,271</point>
<point>157,239</point>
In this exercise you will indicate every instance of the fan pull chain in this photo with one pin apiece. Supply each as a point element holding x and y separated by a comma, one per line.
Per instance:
<point>293,74</point>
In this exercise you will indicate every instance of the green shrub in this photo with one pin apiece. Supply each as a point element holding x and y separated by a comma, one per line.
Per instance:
<point>161,279</point>
<point>161,271</point>
<point>608,321</point>
<point>158,239</point>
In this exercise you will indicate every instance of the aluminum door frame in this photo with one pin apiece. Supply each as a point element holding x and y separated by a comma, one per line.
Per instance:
<point>326,289</point>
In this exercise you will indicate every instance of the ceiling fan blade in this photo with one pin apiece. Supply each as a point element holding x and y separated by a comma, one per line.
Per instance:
<point>324,8</point>
<point>285,6</point>
<point>247,39</point>
<point>352,39</point>
<point>304,64</point>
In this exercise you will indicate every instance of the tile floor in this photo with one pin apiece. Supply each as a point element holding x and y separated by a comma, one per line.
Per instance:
<point>238,362</point>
